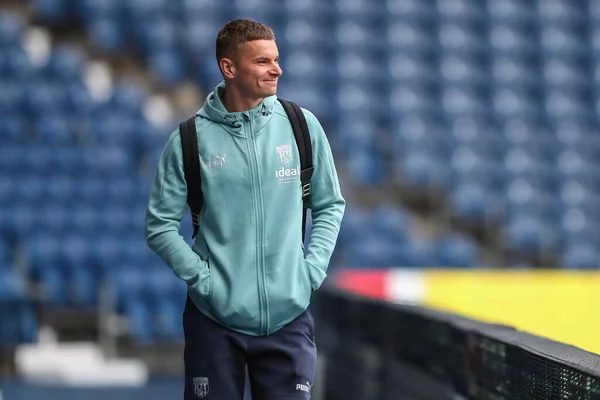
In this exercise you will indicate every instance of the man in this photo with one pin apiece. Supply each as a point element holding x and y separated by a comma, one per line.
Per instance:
<point>249,279</point>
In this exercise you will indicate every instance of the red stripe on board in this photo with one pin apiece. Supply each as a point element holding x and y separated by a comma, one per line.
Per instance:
<point>370,283</point>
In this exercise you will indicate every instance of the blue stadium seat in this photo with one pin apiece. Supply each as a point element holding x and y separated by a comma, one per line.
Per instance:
<point>122,190</point>
<point>509,39</point>
<point>75,252</point>
<point>43,97</point>
<point>168,320</point>
<point>407,37</point>
<point>66,64</point>
<point>392,222</point>
<point>355,224</point>
<point>372,253</point>
<point>462,71</point>
<point>462,10</point>
<point>11,29</point>
<point>358,35</point>
<point>12,129</point>
<point>579,227</point>
<point>107,34</point>
<point>29,190</point>
<point>51,11</point>
<point>159,34</point>
<point>308,96</point>
<point>461,38</point>
<point>85,288</point>
<point>529,234</point>
<point>55,286</point>
<point>163,285</point>
<point>408,68</point>
<point>136,251</point>
<point>90,191</point>
<point>53,129</point>
<point>5,254</point>
<point>18,325</point>
<point>135,10</point>
<point>18,223</point>
<point>581,256</point>
<point>320,12</point>
<point>455,250</point>
<point>107,160</point>
<point>267,11</point>
<point>114,128</point>
<point>559,43</point>
<point>79,102</point>
<point>41,251</point>
<point>512,71</point>
<point>414,253</point>
<point>423,170</point>
<point>515,11</point>
<point>366,166</point>
<point>473,203</point>
<point>11,287</point>
<point>107,253</point>
<point>127,284</point>
<point>90,10</point>
<point>305,34</point>
<point>62,191</point>
<point>85,220</point>
<point>128,98</point>
<point>168,67</point>
<point>140,321</point>
<point>411,10</point>
<point>11,100</point>
<point>53,218</point>
<point>408,99</point>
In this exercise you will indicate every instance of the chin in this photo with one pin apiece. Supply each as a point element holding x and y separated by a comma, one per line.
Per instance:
<point>269,92</point>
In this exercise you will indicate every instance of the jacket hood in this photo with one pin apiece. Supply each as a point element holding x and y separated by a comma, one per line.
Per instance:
<point>214,110</point>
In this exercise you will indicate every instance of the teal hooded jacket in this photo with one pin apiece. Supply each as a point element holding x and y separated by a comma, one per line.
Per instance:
<point>247,269</point>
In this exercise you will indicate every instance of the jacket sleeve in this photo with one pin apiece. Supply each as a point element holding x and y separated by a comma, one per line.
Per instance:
<point>326,202</point>
<point>166,207</point>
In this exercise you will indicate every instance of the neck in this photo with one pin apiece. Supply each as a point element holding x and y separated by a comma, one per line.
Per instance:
<point>234,101</point>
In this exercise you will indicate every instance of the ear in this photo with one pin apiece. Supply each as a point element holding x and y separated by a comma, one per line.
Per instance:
<point>227,67</point>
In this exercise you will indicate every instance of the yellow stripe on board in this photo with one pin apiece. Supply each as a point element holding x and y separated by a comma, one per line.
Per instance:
<point>560,305</point>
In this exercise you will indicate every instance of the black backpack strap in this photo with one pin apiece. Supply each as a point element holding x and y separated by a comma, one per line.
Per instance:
<point>191,168</point>
<point>302,135</point>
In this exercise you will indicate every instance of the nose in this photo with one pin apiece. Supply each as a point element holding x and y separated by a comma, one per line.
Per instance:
<point>277,71</point>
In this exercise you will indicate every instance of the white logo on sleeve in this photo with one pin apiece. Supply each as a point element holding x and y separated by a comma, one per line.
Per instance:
<point>305,387</point>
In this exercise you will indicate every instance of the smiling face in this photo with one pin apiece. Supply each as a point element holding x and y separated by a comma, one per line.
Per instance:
<point>253,69</point>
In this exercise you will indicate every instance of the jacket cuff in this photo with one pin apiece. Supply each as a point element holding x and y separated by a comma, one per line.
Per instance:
<point>317,275</point>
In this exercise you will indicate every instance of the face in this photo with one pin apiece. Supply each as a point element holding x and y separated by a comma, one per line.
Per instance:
<point>254,69</point>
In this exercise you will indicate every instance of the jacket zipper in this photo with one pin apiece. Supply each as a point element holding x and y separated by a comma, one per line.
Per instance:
<point>259,213</point>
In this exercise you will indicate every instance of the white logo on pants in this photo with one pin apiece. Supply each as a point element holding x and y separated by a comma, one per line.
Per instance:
<point>200,386</point>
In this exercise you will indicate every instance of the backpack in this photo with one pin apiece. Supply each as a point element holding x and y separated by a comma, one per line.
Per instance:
<point>191,161</point>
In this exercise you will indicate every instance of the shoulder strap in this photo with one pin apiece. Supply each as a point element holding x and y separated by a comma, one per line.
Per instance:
<point>302,135</point>
<point>191,168</point>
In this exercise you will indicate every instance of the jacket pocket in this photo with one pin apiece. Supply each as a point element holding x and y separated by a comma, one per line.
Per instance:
<point>201,287</point>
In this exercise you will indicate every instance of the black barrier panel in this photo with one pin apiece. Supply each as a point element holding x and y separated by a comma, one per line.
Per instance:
<point>521,366</point>
<point>368,339</point>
